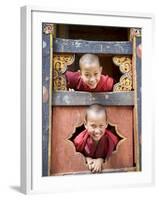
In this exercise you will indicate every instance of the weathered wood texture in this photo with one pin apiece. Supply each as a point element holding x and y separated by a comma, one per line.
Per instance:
<point>98,47</point>
<point>138,99</point>
<point>65,159</point>
<point>45,105</point>
<point>66,98</point>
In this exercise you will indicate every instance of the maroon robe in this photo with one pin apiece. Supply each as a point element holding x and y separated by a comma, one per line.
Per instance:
<point>74,81</point>
<point>89,148</point>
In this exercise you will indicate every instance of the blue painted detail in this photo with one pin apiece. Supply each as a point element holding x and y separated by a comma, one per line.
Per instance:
<point>44,44</point>
<point>84,46</point>
<point>45,106</point>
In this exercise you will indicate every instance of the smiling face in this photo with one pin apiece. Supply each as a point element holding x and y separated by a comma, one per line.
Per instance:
<point>91,74</point>
<point>96,124</point>
<point>90,70</point>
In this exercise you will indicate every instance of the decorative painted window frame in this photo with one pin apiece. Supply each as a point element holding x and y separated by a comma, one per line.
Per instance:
<point>32,180</point>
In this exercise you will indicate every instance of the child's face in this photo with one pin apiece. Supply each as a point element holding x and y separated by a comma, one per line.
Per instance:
<point>91,74</point>
<point>95,125</point>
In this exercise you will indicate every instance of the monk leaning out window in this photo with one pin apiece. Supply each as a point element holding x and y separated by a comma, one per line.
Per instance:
<point>96,143</point>
<point>89,77</point>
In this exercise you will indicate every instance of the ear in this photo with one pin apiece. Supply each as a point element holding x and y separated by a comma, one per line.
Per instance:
<point>80,71</point>
<point>85,124</point>
<point>100,68</point>
<point>106,125</point>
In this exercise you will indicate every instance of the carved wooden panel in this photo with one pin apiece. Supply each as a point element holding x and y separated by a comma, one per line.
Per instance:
<point>60,63</point>
<point>65,159</point>
<point>125,66</point>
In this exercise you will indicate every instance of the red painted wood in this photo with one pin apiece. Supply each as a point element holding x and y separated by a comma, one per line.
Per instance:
<point>123,118</point>
<point>64,158</point>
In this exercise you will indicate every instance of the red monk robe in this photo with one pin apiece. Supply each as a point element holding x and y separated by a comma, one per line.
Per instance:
<point>74,81</point>
<point>89,148</point>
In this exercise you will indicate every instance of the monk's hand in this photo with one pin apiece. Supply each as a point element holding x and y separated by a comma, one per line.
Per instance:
<point>71,90</point>
<point>90,163</point>
<point>97,165</point>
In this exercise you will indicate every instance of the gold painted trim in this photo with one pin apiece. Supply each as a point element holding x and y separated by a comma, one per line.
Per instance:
<point>136,138</point>
<point>50,106</point>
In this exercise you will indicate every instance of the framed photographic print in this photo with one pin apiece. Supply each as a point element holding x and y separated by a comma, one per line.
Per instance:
<point>85,100</point>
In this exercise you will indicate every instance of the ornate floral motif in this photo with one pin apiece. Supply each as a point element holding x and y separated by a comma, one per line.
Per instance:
<point>125,66</point>
<point>48,28</point>
<point>60,63</point>
<point>135,32</point>
<point>124,63</point>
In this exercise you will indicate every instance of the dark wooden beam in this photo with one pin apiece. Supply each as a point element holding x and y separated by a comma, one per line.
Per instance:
<point>66,98</point>
<point>84,46</point>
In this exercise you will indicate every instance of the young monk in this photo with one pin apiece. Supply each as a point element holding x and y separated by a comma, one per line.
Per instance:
<point>96,143</point>
<point>89,77</point>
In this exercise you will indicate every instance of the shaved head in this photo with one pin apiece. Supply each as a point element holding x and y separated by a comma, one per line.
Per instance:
<point>89,59</point>
<point>97,110</point>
